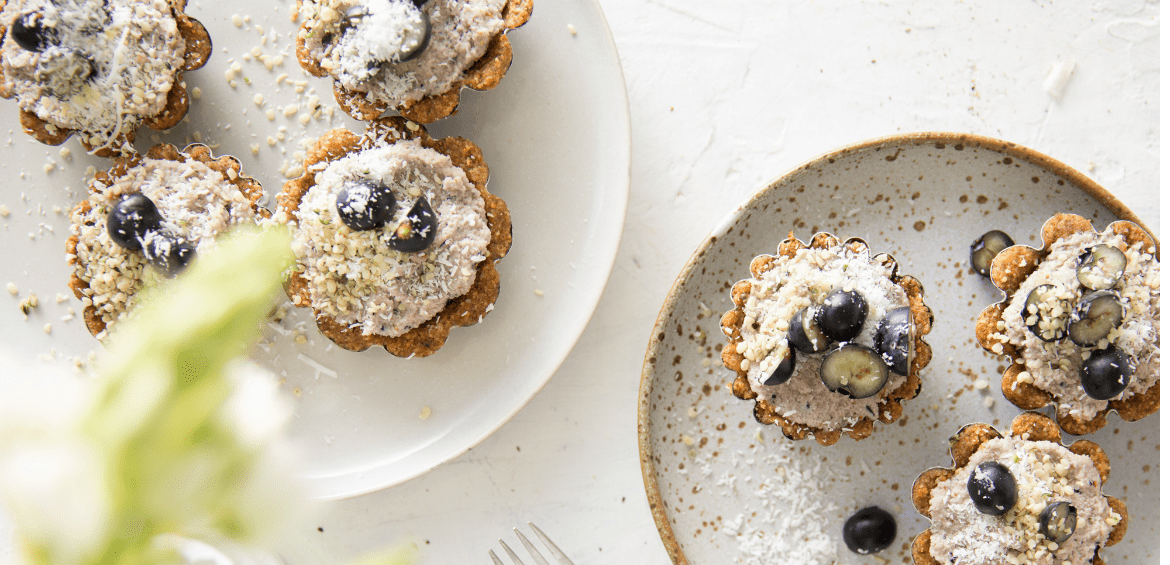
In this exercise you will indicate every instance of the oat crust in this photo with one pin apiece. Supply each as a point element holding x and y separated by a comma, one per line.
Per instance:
<point>198,51</point>
<point>965,443</point>
<point>484,74</point>
<point>464,310</point>
<point>1008,271</point>
<point>890,408</point>
<point>249,186</point>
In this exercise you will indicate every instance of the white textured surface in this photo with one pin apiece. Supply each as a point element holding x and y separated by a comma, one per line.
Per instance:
<point>724,97</point>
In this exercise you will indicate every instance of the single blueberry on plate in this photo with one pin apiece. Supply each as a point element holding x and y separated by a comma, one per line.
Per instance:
<point>870,530</point>
<point>1106,373</point>
<point>984,250</point>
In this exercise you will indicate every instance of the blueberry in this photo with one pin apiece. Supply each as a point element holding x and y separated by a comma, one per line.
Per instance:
<point>168,255</point>
<point>870,530</point>
<point>803,333</point>
<point>842,314</point>
<point>784,370</point>
<point>1058,521</point>
<point>365,205</point>
<point>417,231</point>
<point>1097,314</point>
<point>854,370</point>
<point>1106,373</point>
<point>29,32</point>
<point>416,41</point>
<point>984,250</point>
<point>131,219</point>
<point>1100,267</point>
<point>894,339</point>
<point>418,3</point>
<point>992,488</point>
<point>1046,312</point>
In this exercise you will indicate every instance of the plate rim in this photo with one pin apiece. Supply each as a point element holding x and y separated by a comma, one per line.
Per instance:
<point>645,454</point>
<point>621,193</point>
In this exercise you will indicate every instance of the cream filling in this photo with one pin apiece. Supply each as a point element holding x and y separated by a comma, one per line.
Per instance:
<point>1045,472</point>
<point>793,283</point>
<point>1055,366</point>
<point>355,277</point>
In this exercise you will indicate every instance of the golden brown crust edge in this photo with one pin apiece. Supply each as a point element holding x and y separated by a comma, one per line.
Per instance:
<point>967,441</point>
<point>1009,270</point>
<point>890,408</point>
<point>484,74</point>
<point>249,186</point>
<point>465,310</point>
<point>198,51</point>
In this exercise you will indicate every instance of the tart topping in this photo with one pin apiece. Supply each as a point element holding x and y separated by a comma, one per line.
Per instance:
<point>894,339</point>
<point>854,370</point>
<point>365,205</point>
<point>131,219</point>
<point>870,530</point>
<point>784,369</point>
<point>984,250</point>
<point>170,256</point>
<point>417,231</point>
<point>1100,267</point>
<point>1097,314</point>
<point>992,488</point>
<point>1106,373</point>
<point>842,315</point>
<point>29,32</point>
<point>1046,311</point>
<point>1058,521</point>
<point>804,334</point>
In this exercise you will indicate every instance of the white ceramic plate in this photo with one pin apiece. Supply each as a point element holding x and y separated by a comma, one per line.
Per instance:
<point>710,468</point>
<point>556,136</point>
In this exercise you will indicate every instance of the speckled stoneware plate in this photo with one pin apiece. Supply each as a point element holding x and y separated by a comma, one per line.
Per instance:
<point>725,489</point>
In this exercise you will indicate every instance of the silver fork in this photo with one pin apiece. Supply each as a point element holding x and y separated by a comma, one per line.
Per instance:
<point>557,554</point>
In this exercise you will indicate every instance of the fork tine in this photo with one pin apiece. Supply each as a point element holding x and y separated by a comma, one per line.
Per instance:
<point>511,554</point>
<point>531,550</point>
<point>495,559</point>
<point>552,547</point>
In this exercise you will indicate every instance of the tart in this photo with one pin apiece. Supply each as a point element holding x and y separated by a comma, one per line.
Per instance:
<point>413,56</point>
<point>98,69</point>
<point>396,237</point>
<point>1025,498</point>
<point>146,218</point>
<point>1080,322</point>
<point>826,339</point>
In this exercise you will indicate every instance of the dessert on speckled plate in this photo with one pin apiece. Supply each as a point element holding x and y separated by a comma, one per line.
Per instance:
<point>1019,499</point>
<point>1080,322</point>
<point>396,237</point>
<point>409,55</point>
<point>98,69</point>
<point>826,338</point>
<point>146,218</point>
